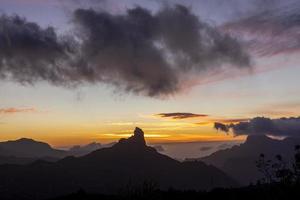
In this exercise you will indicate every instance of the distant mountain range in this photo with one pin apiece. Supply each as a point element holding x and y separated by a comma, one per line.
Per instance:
<point>25,151</point>
<point>109,167</point>
<point>128,163</point>
<point>239,161</point>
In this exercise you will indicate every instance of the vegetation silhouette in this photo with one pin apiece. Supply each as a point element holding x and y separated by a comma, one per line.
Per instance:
<point>278,170</point>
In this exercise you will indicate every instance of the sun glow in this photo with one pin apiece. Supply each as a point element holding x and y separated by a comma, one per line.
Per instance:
<point>125,135</point>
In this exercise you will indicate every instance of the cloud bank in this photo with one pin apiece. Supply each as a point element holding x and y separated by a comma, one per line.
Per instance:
<point>264,126</point>
<point>140,52</point>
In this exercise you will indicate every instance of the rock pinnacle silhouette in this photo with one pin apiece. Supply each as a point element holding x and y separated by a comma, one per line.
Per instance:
<point>135,141</point>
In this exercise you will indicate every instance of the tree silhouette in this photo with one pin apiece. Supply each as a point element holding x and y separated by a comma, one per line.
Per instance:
<point>278,171</point>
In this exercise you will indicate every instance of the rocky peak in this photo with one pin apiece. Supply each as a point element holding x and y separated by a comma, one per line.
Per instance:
<point>137,140</point>
<point>138,135</point>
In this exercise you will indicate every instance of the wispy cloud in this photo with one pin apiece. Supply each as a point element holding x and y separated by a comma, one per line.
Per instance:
<point>284,109</point>
<point>180,115</point>
<point>220,120</point>
<point>233,120</point>
<point>269,32</point>
<point>13,110</point>
<point>202,123</point>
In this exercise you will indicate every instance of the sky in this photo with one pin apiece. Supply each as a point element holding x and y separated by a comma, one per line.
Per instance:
<point>172,68</point>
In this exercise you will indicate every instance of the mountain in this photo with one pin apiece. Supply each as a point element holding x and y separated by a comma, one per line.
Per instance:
<point>23,160</point>
<point>239,161</point>
<point>78,150</point>
<point>128,163</point>
<point>28,148</point>
<point>25,151</point>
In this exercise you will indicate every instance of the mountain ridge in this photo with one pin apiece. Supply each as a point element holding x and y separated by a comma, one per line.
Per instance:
<point>239,161</point>
<point>107,170</point>
<point>25,147</point>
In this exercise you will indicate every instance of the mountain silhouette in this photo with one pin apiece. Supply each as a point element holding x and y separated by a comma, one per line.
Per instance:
<point>25,151</point>
<point>28,148</point>
<point>239,161</point>
<point>107,170</point>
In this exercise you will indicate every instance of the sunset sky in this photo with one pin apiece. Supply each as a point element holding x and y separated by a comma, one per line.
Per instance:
<point>258,78</point>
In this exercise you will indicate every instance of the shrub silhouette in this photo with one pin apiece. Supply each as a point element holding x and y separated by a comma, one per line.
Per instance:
<point>278,171</point>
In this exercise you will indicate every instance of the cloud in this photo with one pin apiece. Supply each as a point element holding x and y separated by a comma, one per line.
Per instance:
<point>225,146</point>
<point>29,53</point>
<point>221,121</point>
<point>203,123</point>
<point>17,110</point>
<point>221,127</point>
<point>273,30</point>
<point>159,148</point>
<point>276,110</point>
<point>140,52</point>
<point>179,115</point>
<point>233,120</point>
<point>264,126</point>
<point>147,53</point>
<point>206,148</point>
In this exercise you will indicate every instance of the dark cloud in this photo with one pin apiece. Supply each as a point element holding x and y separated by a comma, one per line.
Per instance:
<point>221,127</point>
<point>264,126</point>
<point>147,53</point>
<point>29,53</point>
<point>273,30</point>
<point>151,54</point>
<point>180,115</point>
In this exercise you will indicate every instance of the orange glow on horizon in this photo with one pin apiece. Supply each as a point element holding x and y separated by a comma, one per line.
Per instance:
<point>73,131</point>
<point>152,136</point>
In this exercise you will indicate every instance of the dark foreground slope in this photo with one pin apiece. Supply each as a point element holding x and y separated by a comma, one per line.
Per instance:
<point>266,192</point>
<point>108,170</point>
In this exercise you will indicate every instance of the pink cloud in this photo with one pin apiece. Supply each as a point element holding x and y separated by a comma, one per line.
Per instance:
<point>13,110</point>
